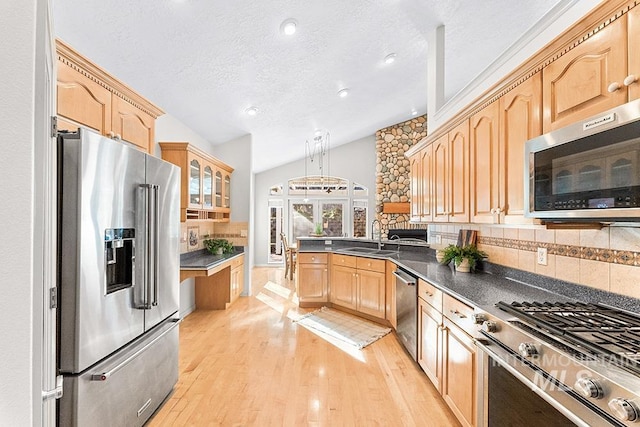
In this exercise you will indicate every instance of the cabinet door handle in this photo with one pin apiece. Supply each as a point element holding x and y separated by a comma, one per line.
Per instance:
<point>613,87</point>
<point>630,79</point>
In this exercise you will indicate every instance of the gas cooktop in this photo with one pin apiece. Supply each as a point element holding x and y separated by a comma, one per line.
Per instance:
<point>594,329</point>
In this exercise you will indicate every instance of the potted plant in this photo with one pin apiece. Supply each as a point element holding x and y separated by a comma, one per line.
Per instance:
<point>218,246</point>
<point>318,231</point>
<point>464,259</point>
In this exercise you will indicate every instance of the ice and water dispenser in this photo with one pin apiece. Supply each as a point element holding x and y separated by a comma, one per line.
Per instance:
<point>120,255</point>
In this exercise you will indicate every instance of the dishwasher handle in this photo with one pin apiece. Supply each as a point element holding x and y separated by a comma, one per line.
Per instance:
<point>405,278</point>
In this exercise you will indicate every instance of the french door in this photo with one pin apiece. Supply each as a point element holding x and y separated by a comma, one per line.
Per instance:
<point>305,216</point>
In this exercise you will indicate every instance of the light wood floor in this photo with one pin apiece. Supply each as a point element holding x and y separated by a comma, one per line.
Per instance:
<point>252,366</point>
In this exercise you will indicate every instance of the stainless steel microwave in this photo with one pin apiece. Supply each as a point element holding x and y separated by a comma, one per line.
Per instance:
<point>589,170</point>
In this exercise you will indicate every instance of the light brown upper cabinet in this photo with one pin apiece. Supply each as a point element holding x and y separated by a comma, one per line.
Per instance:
<point>450,176</point>
<point>485,165</point>
<point>426,163</point>
<point>201,194</point>
<point>87,96</point>
<point>633,77</point>
<point>520,120</point>
<point>497,136</point>
<point>421,189</point>
<point>578,84</point>
<point>415,182</point>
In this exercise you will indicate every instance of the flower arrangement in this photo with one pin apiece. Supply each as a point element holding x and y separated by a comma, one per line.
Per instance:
<point>458,255</point>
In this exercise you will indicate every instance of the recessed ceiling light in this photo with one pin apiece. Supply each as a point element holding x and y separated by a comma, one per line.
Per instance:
<point>251,111</point>
<point>288,27</point>
<point>390,59</point>
<point>342,93</point>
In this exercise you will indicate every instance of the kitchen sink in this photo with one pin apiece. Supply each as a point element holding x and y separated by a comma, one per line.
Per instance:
<point>358,250</point>
<point>365,251</point>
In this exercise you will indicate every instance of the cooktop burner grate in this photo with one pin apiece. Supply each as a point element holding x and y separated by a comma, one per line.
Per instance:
<point>610,334</point>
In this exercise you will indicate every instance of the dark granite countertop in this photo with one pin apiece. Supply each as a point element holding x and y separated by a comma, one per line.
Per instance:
<point>482,289</point>
<point>205,260</point>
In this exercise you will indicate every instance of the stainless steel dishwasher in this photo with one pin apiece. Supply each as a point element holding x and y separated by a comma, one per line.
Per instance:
<point>407,310</point>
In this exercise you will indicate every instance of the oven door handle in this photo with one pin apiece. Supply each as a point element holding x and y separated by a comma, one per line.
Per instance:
<point>504,361</point>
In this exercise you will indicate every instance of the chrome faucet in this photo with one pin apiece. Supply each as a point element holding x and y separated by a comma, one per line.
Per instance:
<point>379,232</point>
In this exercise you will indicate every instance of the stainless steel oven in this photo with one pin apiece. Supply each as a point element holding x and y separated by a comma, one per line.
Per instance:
<point>559,364</point>
<point>407,310</point>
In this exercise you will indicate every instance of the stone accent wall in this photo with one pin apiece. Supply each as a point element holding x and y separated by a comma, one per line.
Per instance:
<point>392,168</point>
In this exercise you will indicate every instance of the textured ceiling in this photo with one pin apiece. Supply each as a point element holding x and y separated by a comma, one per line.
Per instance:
<point>206,61</point>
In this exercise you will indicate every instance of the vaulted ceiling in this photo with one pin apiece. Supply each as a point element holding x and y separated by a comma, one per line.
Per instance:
<point>206,62</point>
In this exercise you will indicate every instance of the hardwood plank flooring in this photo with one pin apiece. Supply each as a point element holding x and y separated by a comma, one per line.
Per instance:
<point>250,365</point>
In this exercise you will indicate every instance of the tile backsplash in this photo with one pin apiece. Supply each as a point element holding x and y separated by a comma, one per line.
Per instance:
<point>193,233</point>
<point>606,259</point>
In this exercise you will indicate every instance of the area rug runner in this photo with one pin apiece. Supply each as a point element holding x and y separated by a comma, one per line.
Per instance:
<point>344,327</point>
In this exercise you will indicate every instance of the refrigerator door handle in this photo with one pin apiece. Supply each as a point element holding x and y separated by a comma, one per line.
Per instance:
<point>146,216</point>
<point>155,249</point>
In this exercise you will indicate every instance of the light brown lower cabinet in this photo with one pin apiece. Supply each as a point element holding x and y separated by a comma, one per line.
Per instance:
<point>312,278</point>
<point>430,341</point>
<point>359,284</point>
<point>459,372</point>
<point>446,352</point>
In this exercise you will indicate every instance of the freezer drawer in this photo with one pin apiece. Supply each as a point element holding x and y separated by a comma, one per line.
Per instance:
<point>126,388</point>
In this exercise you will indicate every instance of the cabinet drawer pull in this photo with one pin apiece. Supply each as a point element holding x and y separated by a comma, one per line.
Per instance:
<point>313,258</point>
<point>613,87</point>
<point>457,314</point>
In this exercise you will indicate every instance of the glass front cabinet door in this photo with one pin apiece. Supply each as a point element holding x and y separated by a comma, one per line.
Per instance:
<point>207,187</point>
<point>227,190</point>
<point>195,189</point>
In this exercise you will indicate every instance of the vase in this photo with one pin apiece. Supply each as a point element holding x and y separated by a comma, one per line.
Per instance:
<point>464,266</point>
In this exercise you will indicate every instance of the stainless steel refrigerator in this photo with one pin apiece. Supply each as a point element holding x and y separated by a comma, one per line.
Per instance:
<point>118,280</point>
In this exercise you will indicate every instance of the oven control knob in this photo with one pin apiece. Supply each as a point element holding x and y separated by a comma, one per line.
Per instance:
<point>479,318</point>
<point>589,388</point>
<point>624,409</point>
<point>489,326</point>
<point>527,349</point>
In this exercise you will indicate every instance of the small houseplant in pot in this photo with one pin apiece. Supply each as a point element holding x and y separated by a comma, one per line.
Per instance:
<point>318,231</point>
<point>464,259</point>
<point>218,246</point>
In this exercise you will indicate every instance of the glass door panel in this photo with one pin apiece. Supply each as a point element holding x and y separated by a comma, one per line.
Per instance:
<point>227,191</point>
<point>275,228</point>
<point>332,219</point>
<point>302,219</point>
<point>330,214</point>
<point>207,185</point>
<point>218,189</point>
<point>194,182</point>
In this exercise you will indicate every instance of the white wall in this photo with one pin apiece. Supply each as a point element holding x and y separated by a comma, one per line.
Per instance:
<point>170,129</point>
<point>238,154</point>
<point>355,161</point>
<point>565,14</point>
<point>17,174</point>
